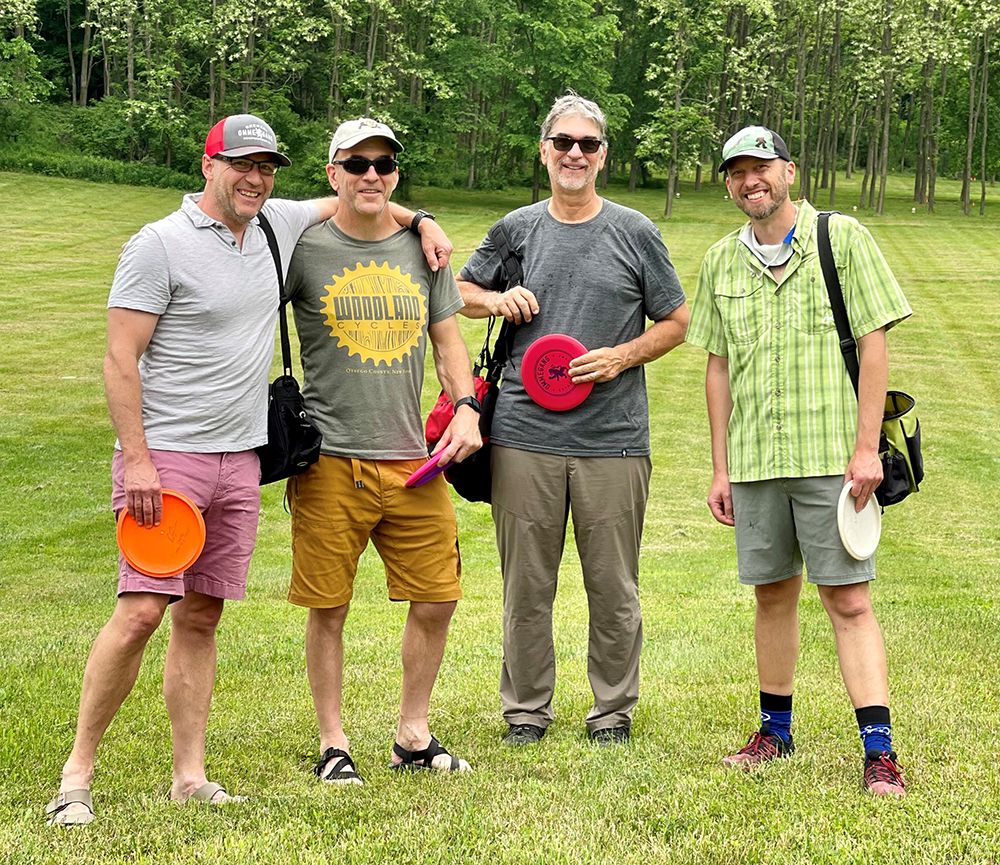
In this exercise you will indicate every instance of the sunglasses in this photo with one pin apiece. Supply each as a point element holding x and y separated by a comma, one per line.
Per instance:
<point>359,164</point>
<point>245,166</point>
<point>563,143</point>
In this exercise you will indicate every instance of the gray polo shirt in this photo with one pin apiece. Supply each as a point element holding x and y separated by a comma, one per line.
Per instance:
<point>204,373</point>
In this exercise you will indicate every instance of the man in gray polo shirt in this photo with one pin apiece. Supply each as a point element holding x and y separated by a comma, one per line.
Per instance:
<point>596,271</point>
<point>191,321</point>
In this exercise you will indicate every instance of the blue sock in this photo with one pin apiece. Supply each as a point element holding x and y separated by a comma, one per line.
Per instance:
<point>776,712</point>
<point>875,727</point>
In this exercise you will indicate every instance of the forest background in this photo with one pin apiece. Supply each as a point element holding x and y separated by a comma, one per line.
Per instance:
<point>126,90</point>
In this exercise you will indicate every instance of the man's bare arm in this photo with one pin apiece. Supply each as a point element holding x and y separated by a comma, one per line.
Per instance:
<point>720,407</point>
<point>865,468</point>
<point>605,364</point>
<point>516,304</point>
<point>451,360</point>
<point>129,332</point>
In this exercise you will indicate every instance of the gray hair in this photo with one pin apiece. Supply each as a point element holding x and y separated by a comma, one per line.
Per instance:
<point>574,105</point>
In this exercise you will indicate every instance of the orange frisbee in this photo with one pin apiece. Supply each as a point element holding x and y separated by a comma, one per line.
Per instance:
<point>169,548</point>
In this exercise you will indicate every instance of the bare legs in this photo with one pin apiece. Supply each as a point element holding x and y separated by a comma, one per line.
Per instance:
<point>187,683</point>
<point>188,680</point>
<point>860,649</point>
<point>424,639</point>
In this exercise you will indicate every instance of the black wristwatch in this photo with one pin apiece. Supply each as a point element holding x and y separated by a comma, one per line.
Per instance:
<point>469,401</point>
<point>420,214</point>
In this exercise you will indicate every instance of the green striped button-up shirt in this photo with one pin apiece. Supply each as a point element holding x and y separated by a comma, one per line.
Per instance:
<point>794,408</point>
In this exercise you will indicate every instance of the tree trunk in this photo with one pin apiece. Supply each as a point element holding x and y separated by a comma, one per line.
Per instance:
<point>851,152</point>
<point>971,134</point>
<point>86,61</point>
<point>936,140</point>
<point>835,137</point>
<point>887,106</point>
<point>107,66</point>
<point>536,178</point>
<point>69,52</point>
<point>984,101</point>
<point>248,72</point>
<point>130,56</point>
<point>633,174</point>
<point>370,55</point>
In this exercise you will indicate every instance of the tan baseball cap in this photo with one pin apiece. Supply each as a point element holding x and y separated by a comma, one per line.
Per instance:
<point>352,132</point>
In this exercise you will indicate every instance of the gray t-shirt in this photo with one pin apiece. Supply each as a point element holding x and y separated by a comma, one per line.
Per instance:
<point>361,312</point>
<point>596,281</point>
<point>204,372</point>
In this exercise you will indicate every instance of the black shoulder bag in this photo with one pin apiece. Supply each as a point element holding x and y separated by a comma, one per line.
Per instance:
<point>292,440</point>
<point>899,441</point>
<point>471,477</point>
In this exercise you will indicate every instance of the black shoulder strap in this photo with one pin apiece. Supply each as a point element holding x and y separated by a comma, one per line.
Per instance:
<point>848,345</point>
<point>513,275</point>
<point>272,242</point>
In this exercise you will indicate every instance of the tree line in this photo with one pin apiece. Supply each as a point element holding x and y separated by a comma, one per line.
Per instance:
<point>864,86</point>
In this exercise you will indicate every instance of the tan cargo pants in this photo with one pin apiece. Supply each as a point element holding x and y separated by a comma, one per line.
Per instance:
<point>533,494</point>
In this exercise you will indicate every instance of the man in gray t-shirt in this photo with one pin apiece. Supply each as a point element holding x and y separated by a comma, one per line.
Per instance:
<point>365,305</point>
<point>595,271</point>
<point>191,320</point>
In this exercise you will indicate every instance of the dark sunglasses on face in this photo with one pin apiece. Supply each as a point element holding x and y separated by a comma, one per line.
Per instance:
<point>245,166</point>
<point>359,164</point>
<point>563,143</point>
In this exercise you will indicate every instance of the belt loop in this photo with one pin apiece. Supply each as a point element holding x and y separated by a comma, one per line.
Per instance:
<point>356,466</point>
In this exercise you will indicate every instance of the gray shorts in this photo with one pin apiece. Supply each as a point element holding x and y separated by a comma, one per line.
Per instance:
<point>783,521</point>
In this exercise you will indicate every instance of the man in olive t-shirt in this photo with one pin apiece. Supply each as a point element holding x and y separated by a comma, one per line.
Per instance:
<point>365,303</point>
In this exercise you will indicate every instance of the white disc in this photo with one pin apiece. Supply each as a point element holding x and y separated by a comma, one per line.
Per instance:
<point>859,532</point>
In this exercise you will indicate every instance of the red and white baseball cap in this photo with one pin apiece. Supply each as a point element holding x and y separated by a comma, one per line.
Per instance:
<point>241,135</point>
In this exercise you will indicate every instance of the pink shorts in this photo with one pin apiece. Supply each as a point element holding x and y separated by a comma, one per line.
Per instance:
<point>226,489</point>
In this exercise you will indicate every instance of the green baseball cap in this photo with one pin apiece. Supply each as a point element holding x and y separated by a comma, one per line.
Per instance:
<point>756,141</point>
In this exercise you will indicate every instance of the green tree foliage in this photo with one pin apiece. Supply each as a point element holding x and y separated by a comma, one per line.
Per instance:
<point>873,86</point>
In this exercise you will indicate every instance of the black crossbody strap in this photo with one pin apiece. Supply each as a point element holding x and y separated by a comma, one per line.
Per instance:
<point>513,275</point>
<point>272,242</point>
<point>848,345</point>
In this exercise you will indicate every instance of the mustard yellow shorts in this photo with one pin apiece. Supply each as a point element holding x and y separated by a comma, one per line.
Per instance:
<point>414,531</point>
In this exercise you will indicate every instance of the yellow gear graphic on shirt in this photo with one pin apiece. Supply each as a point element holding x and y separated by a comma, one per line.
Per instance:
<point>376,312</point>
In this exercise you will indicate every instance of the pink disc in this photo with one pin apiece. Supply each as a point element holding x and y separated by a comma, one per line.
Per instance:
<point>545,372</point>
<point>427,471</point>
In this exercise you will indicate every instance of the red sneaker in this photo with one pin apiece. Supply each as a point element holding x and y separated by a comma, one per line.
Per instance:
<point>883,775</point>
<point>761,747</point>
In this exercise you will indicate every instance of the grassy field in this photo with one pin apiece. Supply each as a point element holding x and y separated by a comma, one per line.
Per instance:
<point>665,798</point>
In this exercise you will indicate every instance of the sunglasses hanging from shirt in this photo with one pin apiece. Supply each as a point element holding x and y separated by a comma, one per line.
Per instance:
<point>384,165</point>
<point>899,441</point>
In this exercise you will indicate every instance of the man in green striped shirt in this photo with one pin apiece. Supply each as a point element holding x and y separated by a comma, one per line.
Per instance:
<point>788,433</point>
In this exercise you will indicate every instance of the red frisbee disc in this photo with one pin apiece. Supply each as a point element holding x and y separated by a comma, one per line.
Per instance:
<point>169,548</point>
<point>545,372</point>
<point>427,471</point>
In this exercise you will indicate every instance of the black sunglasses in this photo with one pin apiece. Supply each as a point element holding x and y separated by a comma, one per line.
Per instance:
<point>359,164</point>
<point>563,143</point>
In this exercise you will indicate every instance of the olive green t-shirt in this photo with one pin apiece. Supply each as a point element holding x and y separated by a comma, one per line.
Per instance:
<point>361,311</point>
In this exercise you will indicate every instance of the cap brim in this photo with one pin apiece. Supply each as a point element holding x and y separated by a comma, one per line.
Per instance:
<point>760,154</point>
<point>364,136</point>
<point>280,158</point>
